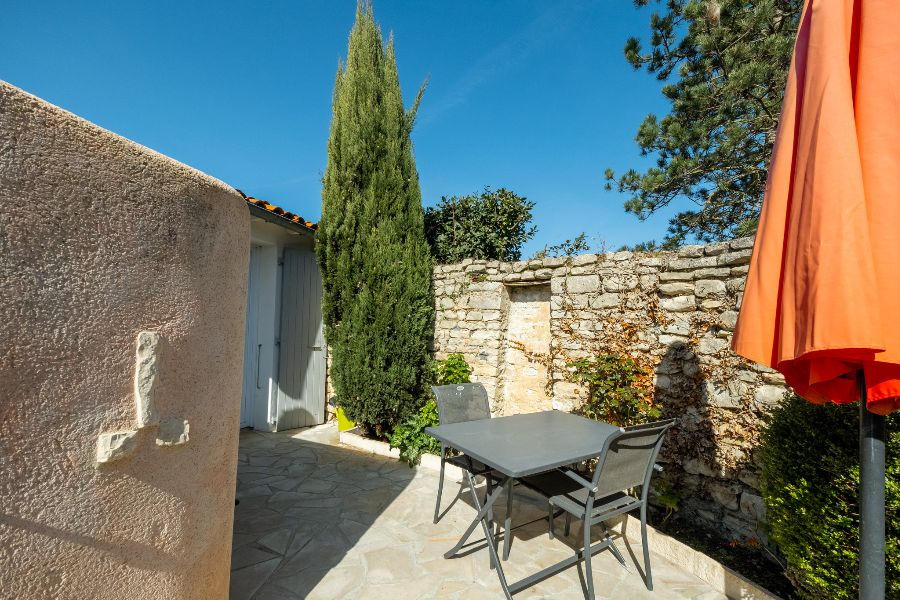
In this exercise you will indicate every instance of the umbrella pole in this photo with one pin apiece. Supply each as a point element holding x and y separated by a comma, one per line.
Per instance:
<point>871,500</point>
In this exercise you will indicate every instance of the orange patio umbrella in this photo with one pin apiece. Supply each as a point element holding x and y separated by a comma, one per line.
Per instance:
<point>822,299</point>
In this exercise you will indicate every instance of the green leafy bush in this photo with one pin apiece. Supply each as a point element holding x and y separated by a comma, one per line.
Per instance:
<point>492,225</point>
<point>410,436</point>
<point>451,371</point>
<point>810,477</point>
<point>614,391</point>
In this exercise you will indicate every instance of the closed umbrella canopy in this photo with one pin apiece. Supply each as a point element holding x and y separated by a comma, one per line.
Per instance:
<point>822,298</point>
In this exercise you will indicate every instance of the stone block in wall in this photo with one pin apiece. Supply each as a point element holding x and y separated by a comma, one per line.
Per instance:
<point>609,300</point>
<point>749,478</point>
<point>543,274</point>
<point>740,271</point>
<point>696,466</point>
<point>741,243</point>
<point>774,379</point>
<point>675,276</point>
<point>582,284</point>
<point>736,285</point>
<point>738,257</point>
<point>753,507</point>
<point>677,326</point>
<point>692,251</point>
<point>621,283</point>
<point>552,262</point>
<point>648,282</point>
<point>486,300</point>
<point>724,396</point>
<point>725,494</point>
<point>651,261</point>
<point>738,527</point>
<point>711,345</point>
<point>692,264</point>
<point>712,273</point>
<point>769,396</point>
<point>679,304</point>
<point>706,288</point>
<point>676,288</point>
<point>715,249</point>
<point>668,340</point>
<point>584,259</point>
<point>728,319</point>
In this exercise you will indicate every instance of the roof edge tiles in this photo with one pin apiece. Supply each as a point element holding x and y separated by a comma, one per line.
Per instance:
<point>278,211</point>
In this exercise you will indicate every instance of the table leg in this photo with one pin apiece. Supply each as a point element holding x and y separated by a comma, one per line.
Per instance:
<point>507,531</point>
<point>483,511</point>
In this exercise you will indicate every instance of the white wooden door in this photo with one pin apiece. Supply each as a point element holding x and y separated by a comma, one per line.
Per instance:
<point>252,348</point>
<point>301,367</point>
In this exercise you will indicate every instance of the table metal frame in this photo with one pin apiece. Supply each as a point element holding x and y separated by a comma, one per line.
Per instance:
<point>469,437</point>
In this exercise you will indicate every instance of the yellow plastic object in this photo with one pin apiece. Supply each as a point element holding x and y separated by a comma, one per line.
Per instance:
<point>343,422</point>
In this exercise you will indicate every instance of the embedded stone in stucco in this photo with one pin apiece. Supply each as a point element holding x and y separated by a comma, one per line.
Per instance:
<point>146,377</point>
<point>173,431</point>
<point>116,445</point>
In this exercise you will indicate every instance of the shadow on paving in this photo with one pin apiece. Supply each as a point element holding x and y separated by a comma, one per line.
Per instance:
<point>303,506</point>
<point>321,521</point>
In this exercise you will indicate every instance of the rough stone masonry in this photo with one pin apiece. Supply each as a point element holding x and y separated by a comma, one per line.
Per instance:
<point>520,324</point>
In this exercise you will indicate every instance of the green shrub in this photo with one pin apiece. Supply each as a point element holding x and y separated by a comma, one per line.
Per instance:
<point>451,371</point>
<point>810,479</point>
<point>492,225</point>
<point>410,436</point>
<point>614,393</point>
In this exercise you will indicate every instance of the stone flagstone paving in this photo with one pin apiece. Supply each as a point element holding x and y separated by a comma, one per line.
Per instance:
<point>319,520</point>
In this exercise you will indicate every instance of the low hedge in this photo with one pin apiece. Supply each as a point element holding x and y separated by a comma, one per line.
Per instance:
<point>810,478</point>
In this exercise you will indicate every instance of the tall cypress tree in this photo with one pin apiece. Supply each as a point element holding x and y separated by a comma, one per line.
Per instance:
<point>375,262</point>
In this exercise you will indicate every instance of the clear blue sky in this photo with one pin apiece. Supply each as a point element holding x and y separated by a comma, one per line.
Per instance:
<point>534,96</point>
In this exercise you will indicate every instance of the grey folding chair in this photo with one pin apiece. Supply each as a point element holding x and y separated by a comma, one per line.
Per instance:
<point>626,461</point>
<point>457,404</point>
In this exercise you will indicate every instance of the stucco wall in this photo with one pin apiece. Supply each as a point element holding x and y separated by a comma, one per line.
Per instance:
<point>673,312</point>
<point>100,239</point>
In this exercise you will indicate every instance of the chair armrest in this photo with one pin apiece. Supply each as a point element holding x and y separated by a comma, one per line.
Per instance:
<point>578,479</point>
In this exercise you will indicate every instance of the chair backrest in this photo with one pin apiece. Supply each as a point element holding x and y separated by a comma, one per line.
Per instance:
<point>461,402</point>
<point>627,461</point>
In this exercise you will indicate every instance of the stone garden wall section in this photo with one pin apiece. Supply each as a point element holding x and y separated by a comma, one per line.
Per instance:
<point>520,324</point>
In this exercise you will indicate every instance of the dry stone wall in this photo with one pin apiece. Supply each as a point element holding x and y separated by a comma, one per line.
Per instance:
<point>673,313</point>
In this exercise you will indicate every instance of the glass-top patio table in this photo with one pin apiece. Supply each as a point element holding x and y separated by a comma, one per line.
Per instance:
<point>517,446</point>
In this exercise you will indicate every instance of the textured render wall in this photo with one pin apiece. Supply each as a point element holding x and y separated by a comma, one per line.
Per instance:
<point>100,239</point>
<point>674,313</point>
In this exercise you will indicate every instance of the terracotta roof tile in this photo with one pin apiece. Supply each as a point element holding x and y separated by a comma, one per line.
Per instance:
<point>277,210</point>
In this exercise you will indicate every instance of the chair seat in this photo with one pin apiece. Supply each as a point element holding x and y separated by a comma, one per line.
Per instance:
<point>467,463</point>
<point>571,496</point>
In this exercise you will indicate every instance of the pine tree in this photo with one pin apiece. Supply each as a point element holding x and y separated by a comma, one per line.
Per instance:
<point>725,64</point>
<point>375,264</point>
